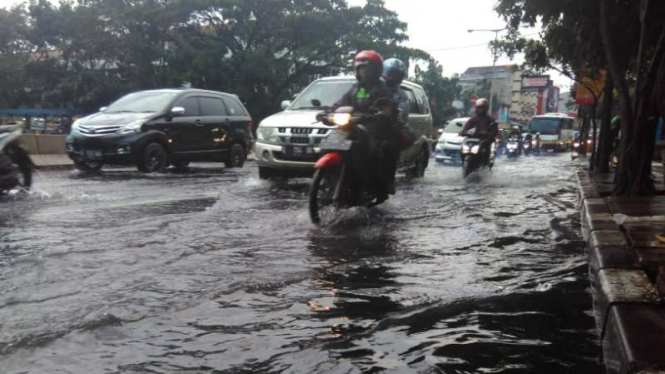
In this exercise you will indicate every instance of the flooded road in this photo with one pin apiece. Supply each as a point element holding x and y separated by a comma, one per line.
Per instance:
<point>215,271</point>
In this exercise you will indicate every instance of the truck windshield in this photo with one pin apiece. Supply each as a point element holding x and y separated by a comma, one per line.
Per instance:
<point>545,126</point>
<point>141,102</point>
<point>326,92</point>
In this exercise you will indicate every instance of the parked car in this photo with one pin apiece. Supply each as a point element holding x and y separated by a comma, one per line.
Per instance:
<point>449,147</point>
<point>155,129</point>
<point>287,142</point>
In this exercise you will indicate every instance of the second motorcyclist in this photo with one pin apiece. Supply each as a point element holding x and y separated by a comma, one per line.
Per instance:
<point>394,72</point>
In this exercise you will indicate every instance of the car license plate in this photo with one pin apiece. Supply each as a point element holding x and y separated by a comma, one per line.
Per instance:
<point>299,152</point>
<point>92,154</point>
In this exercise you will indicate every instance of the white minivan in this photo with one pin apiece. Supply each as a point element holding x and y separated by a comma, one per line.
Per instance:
<point>288,142</point>
<point>449,147</point>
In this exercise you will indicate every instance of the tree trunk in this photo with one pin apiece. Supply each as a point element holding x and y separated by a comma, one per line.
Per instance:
<point>606,140</point>
<point>592,160</point>
<point>584,131</point>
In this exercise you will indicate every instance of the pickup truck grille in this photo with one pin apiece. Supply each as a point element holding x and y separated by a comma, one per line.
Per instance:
<point>302,135</point>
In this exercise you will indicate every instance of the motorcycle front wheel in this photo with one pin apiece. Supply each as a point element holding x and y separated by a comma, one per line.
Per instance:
<point>322,205</point>
<point>470,165</point>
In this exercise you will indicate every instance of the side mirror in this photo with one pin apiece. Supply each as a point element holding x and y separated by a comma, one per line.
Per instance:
<point>102,109</point>
<point>177,111</point>
<point>316,102</point>
<point>286,104</point>
<point>440,131</point>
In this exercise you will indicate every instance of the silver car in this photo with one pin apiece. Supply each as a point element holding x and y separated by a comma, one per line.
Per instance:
<point>449,147</point>
<point>288,142</point>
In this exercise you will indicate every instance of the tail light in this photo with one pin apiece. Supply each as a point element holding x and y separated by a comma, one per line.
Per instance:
<point>250,127</point>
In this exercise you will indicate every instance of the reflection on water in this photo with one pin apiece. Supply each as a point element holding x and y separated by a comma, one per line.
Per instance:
<point>216,271</point>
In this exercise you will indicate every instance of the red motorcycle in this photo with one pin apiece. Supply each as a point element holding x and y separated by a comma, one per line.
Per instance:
<point>345,176</point>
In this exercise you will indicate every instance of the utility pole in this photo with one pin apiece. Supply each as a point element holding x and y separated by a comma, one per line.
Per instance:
<point>495,57</point>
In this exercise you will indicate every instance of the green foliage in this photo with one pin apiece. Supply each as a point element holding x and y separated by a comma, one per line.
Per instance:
<point>87,53</point>
<point>440,90</point>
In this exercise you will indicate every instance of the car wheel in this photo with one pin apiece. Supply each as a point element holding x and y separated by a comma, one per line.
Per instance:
<point>418,170</point>
<point>237,157</point>
<point>88,166</point>
<point>154,159</point>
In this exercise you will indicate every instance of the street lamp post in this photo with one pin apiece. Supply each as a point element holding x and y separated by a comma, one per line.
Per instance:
<point>494,58</point>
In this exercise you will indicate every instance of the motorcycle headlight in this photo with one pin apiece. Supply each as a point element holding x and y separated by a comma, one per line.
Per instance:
<point>267,134</point>
<point>512,146</point>
<point>576,145</point>
<point>589,141</point>
<point>341,119</point>
<point>132,127</point>
<point>465,149</point>
<point>475,149</point>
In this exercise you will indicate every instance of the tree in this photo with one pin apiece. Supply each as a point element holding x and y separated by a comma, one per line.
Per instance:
<point>441,91</point>
<point>585,35</point>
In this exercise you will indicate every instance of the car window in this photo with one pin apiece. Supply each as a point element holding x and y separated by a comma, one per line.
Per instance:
<point>421,97</point>
<point>212,106</point>
<point>191,105</point>
<point>413,103</point>
<point>454,127</point>
<point>234,107</point>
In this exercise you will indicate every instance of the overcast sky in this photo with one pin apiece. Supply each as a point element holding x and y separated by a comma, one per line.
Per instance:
<point>440,28</point>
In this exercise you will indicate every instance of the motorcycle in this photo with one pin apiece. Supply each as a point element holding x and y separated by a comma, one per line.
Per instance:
<point>15,163</point>
<point>341,179</point>
<point>513,149</point>
<point>478,151</point>
<point>528,150</point>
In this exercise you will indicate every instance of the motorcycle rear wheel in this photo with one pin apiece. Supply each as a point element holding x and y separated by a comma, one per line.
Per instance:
<point>322,206</point>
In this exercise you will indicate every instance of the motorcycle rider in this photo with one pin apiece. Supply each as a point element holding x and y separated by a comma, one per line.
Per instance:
<point>370,93</point>
<point>516,136</point>
<point>394,72</point>
<point>483,123</point>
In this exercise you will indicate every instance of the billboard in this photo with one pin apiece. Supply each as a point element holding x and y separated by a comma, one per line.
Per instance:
<point>535,82</point>
<point>584,93</point>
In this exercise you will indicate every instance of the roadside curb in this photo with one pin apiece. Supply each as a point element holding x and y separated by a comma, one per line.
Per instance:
<point>629,310</point>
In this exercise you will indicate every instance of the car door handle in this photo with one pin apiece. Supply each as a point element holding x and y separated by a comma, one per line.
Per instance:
<point>198,122</point>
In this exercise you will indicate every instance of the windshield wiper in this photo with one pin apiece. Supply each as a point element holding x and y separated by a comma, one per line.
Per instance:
<point>122,111</point>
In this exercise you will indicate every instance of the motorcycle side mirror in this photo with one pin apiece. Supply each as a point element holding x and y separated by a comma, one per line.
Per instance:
<point>286,104</point>
<point>316,102</point>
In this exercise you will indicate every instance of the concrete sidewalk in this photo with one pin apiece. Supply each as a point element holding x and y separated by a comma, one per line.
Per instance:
<point>52,161</point>
<point>627,271</point>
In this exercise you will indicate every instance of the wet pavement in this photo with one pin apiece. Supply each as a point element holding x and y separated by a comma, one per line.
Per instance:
<point>215,271</point>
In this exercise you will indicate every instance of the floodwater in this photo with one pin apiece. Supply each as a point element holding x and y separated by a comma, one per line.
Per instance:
<point>215,271</point>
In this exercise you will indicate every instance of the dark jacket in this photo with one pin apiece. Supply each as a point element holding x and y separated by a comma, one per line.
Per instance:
<point>484,124</point>
<point>366,99</point>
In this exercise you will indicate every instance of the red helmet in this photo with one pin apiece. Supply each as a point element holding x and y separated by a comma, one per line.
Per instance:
<point>482,102</point>
<point>371,59</point>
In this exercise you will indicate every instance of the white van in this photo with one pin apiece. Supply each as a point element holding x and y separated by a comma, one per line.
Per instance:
<point>287,142</point>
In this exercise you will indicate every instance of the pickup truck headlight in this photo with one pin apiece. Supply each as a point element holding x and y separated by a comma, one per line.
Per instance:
<point>132,127</point>
<point>268,134</point>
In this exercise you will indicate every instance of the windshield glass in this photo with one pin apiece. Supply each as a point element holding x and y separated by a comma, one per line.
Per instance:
<point>545,126</point>
<point>142,102</point>
<point>454,127</point>
<point>327,92</point>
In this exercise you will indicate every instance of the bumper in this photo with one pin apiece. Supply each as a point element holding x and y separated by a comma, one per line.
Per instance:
<point>448,154</point>
<point>273,157</point>
<point>115,149</point>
